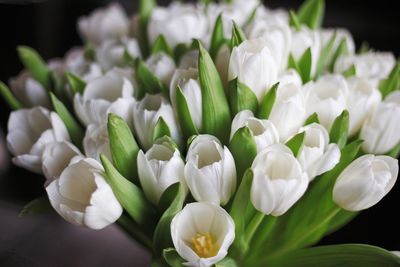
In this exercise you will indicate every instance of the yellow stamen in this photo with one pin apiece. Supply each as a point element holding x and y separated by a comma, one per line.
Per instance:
<point>204,246</point>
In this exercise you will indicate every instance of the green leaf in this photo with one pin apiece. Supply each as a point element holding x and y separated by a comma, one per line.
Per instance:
<point>145,9</point>
<point>215,108</point>
<point>217,37</point>
<point>161,46</point>
<point>238,36</point>
<point>162,234</point>
<point>172,258</point>
<point>294,20</point>
<point>268,102</point>
<point>227,262</point>
<point>35,64</point>
<point>364,48</point>
<point>168,197</point>
<point>124,148</point>
<point>243,143</point>
<point>312,119</point>
<point>391,83</point>
<point>241,97</point>
<point>305,66</point>
<point>296,143</point>
<point>311,13</point>
<point>349,255</point>
<point>74,128</point>
<point>147,81</point>
<point>161,129</point>
<point>342,218</point>
<point>325,55</point>
<point>341,50</point>
<point>395,152</point>
<point>129,196</point>
<point>340,129</point>
<point>184,117</point>
<point>8,96</point>
<point>180,50</point>
<point>40,205</point>
<point>76,84</point>
<point>350,72</point>
<point>89,52</point>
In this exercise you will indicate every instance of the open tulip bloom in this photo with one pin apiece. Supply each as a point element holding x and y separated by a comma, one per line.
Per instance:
<point>216,134</point>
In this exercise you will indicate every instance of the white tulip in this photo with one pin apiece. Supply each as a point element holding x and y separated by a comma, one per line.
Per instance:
<point>341,34</point>
<point>110,22</point>
<point>146,114</point>
<point>397,253</point>
<point>56,157</point>
<point>327,97</point>
<point>381,131</point>
<point>112,92</point>
<point>158,168</point>
<point>278,181</point>
<point>82,196</point>
<point>254,65</point>
<point>188,81</point>
<point>264,131</point>
<point>301,41</point>
<point>272,16</point>
<point>290,76</point>
<point>317,156</point>
<point>29,131</point>
<point>365,182</point>
<point>77,64</point>
<point>162,66</point>
<point>202,234</point>
<point>210,171</point>
<point>29,91</point>
<point>361,102</point>
<point>289,111</point>
<point>190,60</point>
<point>373,66</point>
<point>179,23</point>
<point>111,52</point>
<point>96,141</point>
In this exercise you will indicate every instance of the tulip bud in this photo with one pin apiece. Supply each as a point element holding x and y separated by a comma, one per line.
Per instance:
<point>76,63</point>
<point>162,66</point>
<point>29,131</point>
<point>327,97</point>
<point>278,181</point>
<point>381,131</point>
<point>202,234</point>
<point>317,156</point>
<point>254,65</point>
<point>264,131</point>
<point>365,182</point>
<point>146,114</point>
<point>158,168</point>
<point>210,171</point>
<point>82,196</point>
<point>110,93</point>
<point>96,142</point>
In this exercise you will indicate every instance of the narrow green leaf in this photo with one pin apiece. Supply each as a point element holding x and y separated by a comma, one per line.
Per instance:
<point>395,152</point>
<point>162,234</point>
<point>161,46</point>
<point>129,196</point>
<point>341,50</point>
<point>351,255</point>
<point>350,72</point>
<point>296,143</point>
<point>89,52</point>
<point>392,83</point>
<point>145,9</point>
<point>40,205</point>
<point>268,102</point>
<point>243,143</point>
<point>241,97</point>
<point>312,119</point>
<point>172,258</point>
<point>76,84</point>
<point>342,218</point>
<point>167,197</point>
<point>325,55</point>
<point>340,129</point>
<point>292,64</point>
<point>35,64</point>
<point>74,128</point>
<point>184,116</point>
<point>124,148</point>
<point>8,96</point>
<point>364,48</point>
<point>311,13</point>
<point>217,37</point>
<point>179,51</point>
<point>294,21</point>
<point>238,36</point>
<point>161,129</point>
<point>305,66</point>
<point>215,107</point>
<point>227,262</point>
<point>147,81</point>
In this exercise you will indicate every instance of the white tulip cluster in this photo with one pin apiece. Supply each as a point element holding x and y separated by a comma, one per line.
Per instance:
<point>238,111</point>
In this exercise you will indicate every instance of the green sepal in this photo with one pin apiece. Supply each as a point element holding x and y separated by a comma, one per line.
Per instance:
<point>268,102</point>
<point>350,72</point>
<point>147,81</point>
<point>184,117</point>
<point>392,82</point>
<point>241,97</point>
<point>76,84</point>
<point>313,118</point>
<point>161,46</point>
<point>340,129</point>
<point>296,143</point>
<point>40,205</point>
<point>217,37</point>
<point>8,96</point>
<point>161,129</point>
<point>238,36</point>
<point>311,13</point>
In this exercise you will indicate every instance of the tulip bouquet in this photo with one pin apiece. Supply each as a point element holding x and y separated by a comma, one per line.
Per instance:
<point>215,134</point>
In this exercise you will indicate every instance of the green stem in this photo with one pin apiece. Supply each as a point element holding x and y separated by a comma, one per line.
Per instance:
<point>134,231</point>
<point>270,222</point>
<point>253,226</point>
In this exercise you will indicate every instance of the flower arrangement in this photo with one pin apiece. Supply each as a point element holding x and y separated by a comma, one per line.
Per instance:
<point>216,134</point>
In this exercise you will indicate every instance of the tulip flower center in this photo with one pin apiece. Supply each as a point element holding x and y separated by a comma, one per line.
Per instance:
<point>204,245</point>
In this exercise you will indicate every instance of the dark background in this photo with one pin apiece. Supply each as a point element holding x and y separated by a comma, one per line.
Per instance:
<point>50,27</point>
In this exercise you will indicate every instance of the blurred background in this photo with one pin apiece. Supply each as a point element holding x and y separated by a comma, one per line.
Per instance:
<point>46,240</point>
